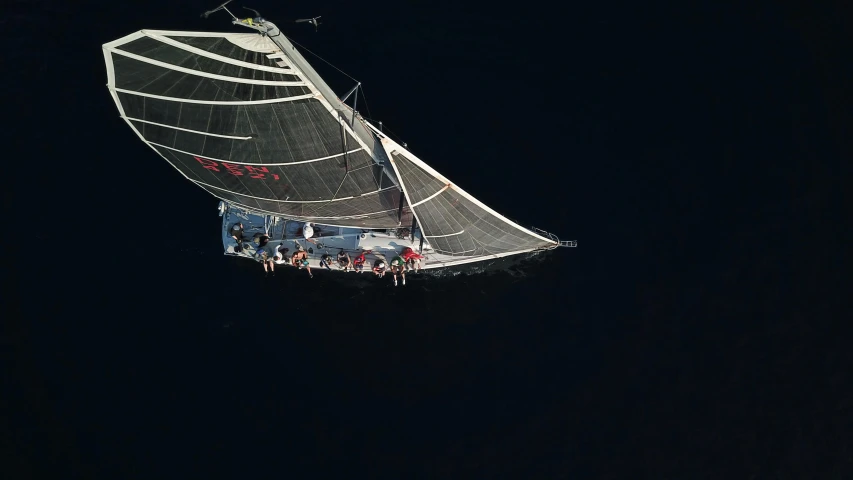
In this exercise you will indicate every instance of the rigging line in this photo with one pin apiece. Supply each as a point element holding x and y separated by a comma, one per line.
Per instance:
<point>482,245</point>
<point>369,165</point>
<point>321,58</point>
<point>385,130</point>
<point>336,191</point>
<point>397,137</point>
<point>364,99</point>
<point>346,174</point>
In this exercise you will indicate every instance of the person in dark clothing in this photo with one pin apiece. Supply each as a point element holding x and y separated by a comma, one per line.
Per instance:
<point>398,265</point>
<point>237,234</point>
<point>379,267</point>
<point>326,261</point>
<point>263,240</point>
<point>344,261</point>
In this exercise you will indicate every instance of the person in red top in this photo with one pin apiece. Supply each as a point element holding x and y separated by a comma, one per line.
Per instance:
<point>358,262</point>
<point>412,258</point>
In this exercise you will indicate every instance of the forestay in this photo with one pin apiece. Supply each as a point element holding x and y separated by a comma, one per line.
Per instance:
<point>236,117</point>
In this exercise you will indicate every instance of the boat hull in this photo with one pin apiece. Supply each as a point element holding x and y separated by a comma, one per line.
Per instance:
<point>329,239</point>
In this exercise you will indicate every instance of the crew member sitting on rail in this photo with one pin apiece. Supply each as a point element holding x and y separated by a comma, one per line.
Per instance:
<point>344,261</point>
<point>303,263</point>
<point>262,239</point>
<point>379,267</point>
<point>280,255</point>
<point>326,261</point>
<point>412,258</point>
<point>298,257</point>
<point>398,265</point>
<point>358,262</point>
<point>266,259</point>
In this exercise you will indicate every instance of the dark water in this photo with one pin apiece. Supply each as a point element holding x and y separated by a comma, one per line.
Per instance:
<point>698,155</point>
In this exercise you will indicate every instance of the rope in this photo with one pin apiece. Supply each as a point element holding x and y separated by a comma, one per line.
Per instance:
<point>364,99</point>
<point>385,130</point>
<point>323,59</point>
<point>336,191</point>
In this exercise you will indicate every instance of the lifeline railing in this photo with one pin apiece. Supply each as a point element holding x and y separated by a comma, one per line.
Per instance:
<point>555,239</point>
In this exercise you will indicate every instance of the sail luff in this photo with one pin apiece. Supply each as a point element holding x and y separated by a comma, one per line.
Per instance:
<point>359,129</point>
<point>384,145</point>
<point>327,95</point>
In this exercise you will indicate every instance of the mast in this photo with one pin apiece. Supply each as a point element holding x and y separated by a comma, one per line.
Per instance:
<point>359,129</point>
<point>271,31</point>
<point>354,102</point>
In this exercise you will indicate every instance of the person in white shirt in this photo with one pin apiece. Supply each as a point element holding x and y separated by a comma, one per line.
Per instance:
<point>308,232</point>
<point>279,257</point>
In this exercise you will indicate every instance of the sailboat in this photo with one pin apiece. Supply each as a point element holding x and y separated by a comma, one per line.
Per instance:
<point>245,117</point>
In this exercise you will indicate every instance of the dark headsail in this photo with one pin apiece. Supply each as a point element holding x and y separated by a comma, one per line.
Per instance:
<point>454,222</point>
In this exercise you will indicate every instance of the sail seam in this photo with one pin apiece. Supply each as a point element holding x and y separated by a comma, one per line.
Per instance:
<point>451,253</point>
<point>211,102</point>
<point>294,201</point>
<point>253,164</point>
<point>431,196</point>
<point>199,73</point>
<point>440,236</point>
<point>204,53</point>
<point>234,137</point>
<point>475,258</point>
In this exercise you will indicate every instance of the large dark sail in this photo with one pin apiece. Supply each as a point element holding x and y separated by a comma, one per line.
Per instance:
<point>454,222</point>
<point>235,116</point>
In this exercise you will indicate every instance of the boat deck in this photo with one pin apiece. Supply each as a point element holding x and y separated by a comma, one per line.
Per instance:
<point>327,240</point>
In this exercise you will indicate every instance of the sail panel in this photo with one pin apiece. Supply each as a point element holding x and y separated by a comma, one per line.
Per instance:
<point>454,222</point>
<point>289,132</point>
<point>293,182</point>
<point>419,184</point>
<point>139,76</point>
<point>157,51</point>
<point>220,45</point>
<point>243,148</point>
<point>290,155</point>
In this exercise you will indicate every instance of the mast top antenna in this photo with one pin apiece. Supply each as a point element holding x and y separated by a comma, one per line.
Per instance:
<point>221,7</point>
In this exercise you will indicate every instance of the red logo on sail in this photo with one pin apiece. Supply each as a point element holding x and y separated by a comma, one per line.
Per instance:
<point>236,170</point>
